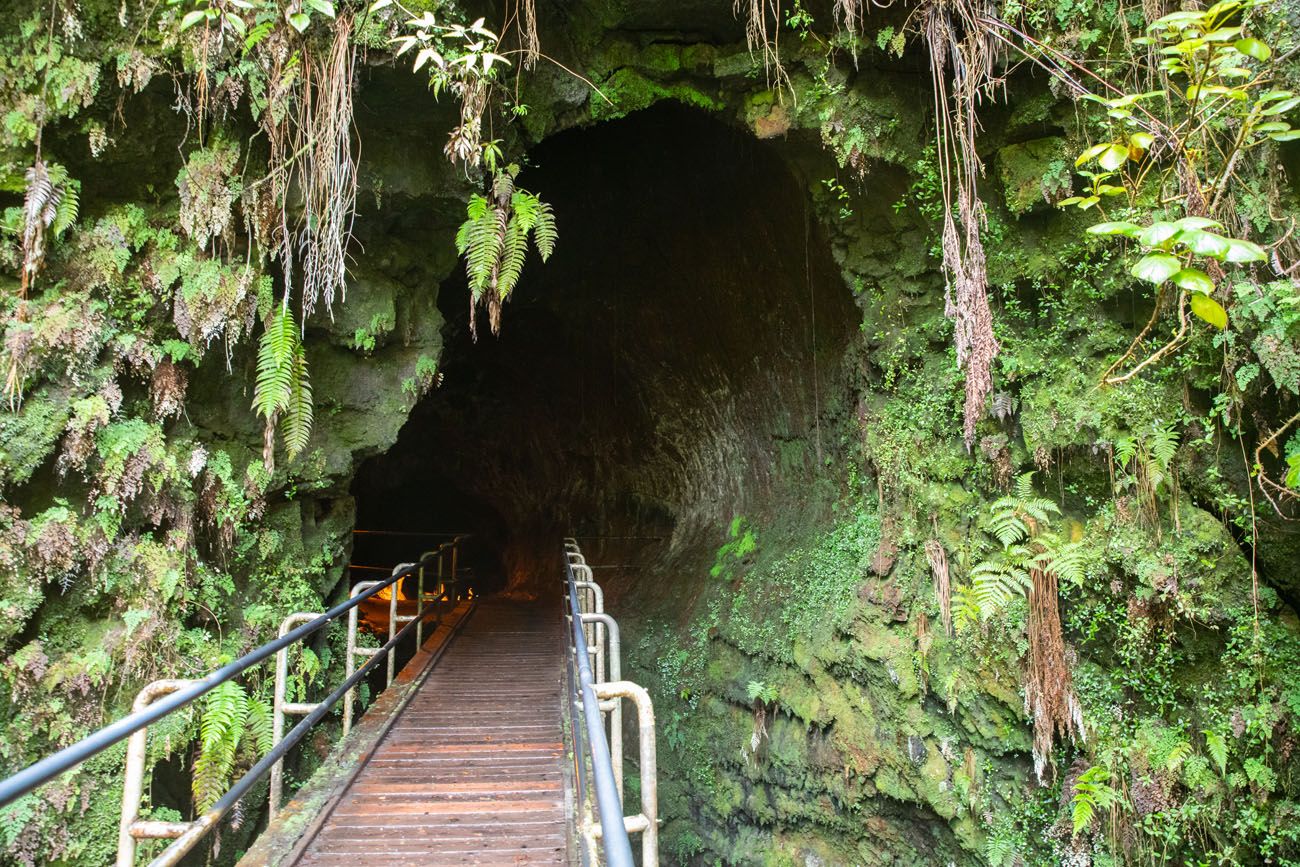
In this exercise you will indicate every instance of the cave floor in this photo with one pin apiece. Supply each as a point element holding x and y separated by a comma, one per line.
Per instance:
<point>472,772</point>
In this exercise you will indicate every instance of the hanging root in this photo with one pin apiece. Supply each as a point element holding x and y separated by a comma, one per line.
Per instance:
<point>1049,687</point>
<point>329,176</point>
<point>532,45</point>
<point>970,58</point>
<point>763,36</point>
<point>942,581</point>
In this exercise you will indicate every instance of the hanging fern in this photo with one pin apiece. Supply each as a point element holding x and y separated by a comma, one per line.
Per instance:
<point>494,241</point>
<point>283,391</point>
<point>225,712</point>
<point>50,203</point>
<point>260,727</point>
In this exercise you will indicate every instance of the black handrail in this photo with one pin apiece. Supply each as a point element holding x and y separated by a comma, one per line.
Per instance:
<point>618,849</point>
<point>205,823</point>
<point>51,766</point>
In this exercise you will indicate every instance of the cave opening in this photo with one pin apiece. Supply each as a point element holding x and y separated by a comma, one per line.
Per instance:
<point>677,359</point>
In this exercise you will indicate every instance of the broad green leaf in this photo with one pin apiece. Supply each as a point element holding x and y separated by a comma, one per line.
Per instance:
<point>1183,17</point>
<point>1156,268</point>
<point>1205,243</point>
<point>1091,153</point>
<point>1244,251</point>
<point>1158,233</point>
<point>1274,95</point>
<point>192,18</point>
<point>1223,34</point>
<point>1223,7</point>
<point>1110,190</point>
<point>1141,140</point>
<point>1290,135</point>
<point>1131,230</point>
<point>1088,202</point>
<point>1198,223</point>
<point>1194,280</point>
<point>380,4</point>
<point>235,23</point>
<point>1282,107</point>
<point>1253,48</point>
<point>1273,126</point>
<point>1208,309</point>
<point>299,21</point>
<point>1113,157</point>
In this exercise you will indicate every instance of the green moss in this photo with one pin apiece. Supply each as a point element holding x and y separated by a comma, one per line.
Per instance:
<point>629,91</point>
<point>1034,174</point>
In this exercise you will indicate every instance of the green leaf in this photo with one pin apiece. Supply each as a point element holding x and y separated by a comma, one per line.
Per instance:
<point>1198,223</point>
<point>192,18</point>
<point>1244,251</point>
<point>300,21</point>
<point>1142,140</point>
<point>1113,157</point>
<point>1193,280</point>
<point>1210,310</point>
<point>1131,230</point>
<point>1290,135</point>
<point>1158,233</point>
<point>1204,243</point>
<point>1156,268</point>
<point>1091,153</point>
<point>1282,107</point>
<point>1253,48</point>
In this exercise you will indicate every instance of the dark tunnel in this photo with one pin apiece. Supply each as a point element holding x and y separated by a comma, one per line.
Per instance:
<point>648,378</point>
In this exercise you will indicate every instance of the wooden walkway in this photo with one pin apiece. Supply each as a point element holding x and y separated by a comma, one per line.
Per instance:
<point>473,771</point>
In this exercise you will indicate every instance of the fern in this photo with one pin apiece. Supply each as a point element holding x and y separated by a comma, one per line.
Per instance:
<point>1178,755</point>
<point>494,240</point>
<point>283,389</point>
<point>1218,747</point>
<point>545,234</point>
<point>1020,522</point>
<point>996,582</point>
<point>260,727</point>
<point>275,356</point>
<point>965,607</point>
<point>298,413</point>
<point>225,713</point>
<point>1092,793</point>
<point>1000,851</point>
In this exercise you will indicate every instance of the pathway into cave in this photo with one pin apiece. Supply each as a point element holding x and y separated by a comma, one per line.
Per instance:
<point>674,361</point>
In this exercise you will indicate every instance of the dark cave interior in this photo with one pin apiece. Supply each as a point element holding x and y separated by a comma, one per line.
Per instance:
<point>690,323</point>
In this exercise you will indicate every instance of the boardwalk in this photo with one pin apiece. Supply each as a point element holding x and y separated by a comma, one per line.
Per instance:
<point>473,770</point>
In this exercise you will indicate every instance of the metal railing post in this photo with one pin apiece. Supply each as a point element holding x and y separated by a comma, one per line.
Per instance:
<point>616,708</point>
<point>585,704</point>
<point>349,663</point>
<point>130,829</point>
<point>279,707</point>
<point>394,619</point>
<point>647,821</point>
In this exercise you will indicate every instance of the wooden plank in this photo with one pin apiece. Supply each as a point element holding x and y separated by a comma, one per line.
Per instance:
<point>474,769</point>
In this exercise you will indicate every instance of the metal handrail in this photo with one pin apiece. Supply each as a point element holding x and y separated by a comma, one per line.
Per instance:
<point>617,846</point>
<point>146,714</point>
